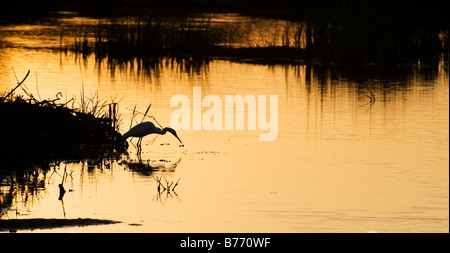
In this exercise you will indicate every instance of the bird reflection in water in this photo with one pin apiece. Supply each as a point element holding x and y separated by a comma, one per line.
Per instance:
<point>146,168</point>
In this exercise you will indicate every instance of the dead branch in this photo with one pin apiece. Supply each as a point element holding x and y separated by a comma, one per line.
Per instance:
<point>18,85</point>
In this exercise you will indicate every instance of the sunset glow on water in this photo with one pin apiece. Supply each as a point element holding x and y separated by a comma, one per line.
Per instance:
<point>339,162</point>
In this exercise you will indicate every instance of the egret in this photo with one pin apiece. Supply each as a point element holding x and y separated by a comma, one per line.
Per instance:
<point>146,128</point>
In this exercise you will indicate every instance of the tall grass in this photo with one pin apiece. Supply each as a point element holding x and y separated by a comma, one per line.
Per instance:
<point>351,34</point>
<point>142,42</point>
<point>147,36</point>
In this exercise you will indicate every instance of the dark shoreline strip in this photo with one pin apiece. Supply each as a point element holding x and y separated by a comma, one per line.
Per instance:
<point>32,224</point>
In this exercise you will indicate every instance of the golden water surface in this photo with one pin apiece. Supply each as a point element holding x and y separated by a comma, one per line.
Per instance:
<point>339,163</point>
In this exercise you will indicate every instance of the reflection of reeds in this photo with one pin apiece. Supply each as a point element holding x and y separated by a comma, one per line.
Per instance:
<point>18,188</point>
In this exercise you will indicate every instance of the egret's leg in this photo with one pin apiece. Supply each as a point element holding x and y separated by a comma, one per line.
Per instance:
<point>139,151</point>
<point>139,148</point>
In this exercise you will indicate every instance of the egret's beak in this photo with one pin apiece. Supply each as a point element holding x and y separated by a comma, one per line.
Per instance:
<point>178,138</point>
<point>175,134</point>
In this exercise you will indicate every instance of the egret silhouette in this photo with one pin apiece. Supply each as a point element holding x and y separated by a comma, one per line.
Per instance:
<point>146,128</point>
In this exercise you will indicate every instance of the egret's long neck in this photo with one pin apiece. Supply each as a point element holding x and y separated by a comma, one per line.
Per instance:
<point>164,131</point>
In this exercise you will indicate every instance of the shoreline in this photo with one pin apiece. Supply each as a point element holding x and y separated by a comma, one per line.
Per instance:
<point>13,225</point>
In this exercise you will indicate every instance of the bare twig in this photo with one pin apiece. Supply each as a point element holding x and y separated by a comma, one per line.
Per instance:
<point>18,85</point>
<point>132,117</point>
<point>156,121</point>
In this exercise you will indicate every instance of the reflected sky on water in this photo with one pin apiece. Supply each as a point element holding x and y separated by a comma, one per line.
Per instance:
<point>339,164</point>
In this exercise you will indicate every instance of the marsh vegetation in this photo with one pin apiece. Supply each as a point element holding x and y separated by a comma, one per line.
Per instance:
<point>344,33</point>
<point>40,131</point>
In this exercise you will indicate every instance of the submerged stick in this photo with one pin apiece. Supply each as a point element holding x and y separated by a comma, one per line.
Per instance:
<point>158,179</point>
<point>62,191</point>
<point>173,188</point>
